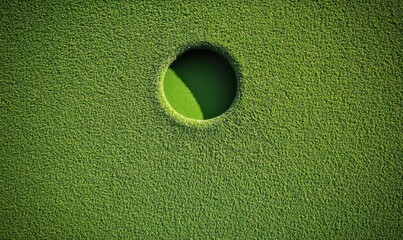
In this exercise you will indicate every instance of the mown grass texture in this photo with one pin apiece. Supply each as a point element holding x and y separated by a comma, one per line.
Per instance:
<point>310,149</point>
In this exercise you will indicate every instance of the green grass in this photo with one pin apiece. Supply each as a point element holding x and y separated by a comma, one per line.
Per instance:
<point>311,148</point>
<point>200,84</point>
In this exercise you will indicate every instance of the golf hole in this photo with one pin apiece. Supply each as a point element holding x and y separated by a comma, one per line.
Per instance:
<point>200,84</point>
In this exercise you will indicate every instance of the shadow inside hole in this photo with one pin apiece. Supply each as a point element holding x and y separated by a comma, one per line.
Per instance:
<point>209,77</point>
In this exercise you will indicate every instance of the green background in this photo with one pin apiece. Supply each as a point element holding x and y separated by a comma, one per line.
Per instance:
<point>311,148</point>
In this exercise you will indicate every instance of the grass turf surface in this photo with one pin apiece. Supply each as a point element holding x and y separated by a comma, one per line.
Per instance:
<point>312,147</point>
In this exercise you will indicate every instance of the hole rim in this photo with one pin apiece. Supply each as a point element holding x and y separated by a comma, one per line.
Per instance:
<point>202,45</point>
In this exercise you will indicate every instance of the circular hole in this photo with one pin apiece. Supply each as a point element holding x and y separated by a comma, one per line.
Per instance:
<point>200,84</point>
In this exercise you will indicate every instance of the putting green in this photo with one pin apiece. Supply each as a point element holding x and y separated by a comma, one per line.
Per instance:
<point>200,84</point>
<point>307,144</point>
